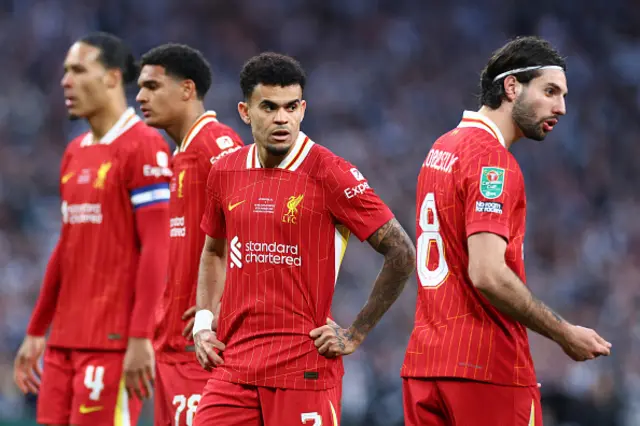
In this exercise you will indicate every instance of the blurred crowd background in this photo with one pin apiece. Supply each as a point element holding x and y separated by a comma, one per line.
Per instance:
<point>386,78</point>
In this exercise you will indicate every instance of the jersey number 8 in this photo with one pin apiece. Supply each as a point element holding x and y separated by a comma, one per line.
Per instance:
<point>432,265</point>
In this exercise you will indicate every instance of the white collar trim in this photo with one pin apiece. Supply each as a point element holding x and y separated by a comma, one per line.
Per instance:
<point>480,121</point>
<point>127,120</point>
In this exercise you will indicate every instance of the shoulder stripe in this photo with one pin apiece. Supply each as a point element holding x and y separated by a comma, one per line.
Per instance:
<point>203,120</point>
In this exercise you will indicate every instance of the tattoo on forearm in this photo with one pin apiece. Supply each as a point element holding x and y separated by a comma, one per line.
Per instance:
<point>392,241</point>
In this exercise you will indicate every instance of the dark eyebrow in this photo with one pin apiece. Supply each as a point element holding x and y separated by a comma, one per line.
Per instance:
<point>148,82</point>
<point>72,66</point>
<point>272,104</point>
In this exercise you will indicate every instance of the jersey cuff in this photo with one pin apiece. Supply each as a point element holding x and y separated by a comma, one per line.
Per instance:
<point>488,226</point>
<point>213,233</point>
<point>151,194</point>
<point>376,223</point>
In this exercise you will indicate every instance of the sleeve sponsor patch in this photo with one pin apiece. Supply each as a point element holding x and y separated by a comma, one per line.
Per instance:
<point>488,207</point>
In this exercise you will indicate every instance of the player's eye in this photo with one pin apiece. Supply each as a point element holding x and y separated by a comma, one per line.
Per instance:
<point>293,107</point>
<point>550,91</point>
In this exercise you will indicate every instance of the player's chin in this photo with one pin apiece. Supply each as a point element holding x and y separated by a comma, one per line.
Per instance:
<point>537,134</point>
<point>152,121</point>
<point>278,147</point>
<point>74,113</point>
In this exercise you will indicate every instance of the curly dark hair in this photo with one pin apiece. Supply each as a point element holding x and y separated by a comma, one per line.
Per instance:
<point>182,62</point>
<point>114,54</point>
<point>271,69</point>
<point>520,52</point>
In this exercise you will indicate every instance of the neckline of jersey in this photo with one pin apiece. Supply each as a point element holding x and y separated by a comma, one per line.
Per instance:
<point>203,120</point>
<point>127,120</point>
<point>480,121</point>
<point>291,162</point>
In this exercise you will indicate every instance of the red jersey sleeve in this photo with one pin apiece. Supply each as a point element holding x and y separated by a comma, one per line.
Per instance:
<point>148,173</point>
<point>352,201</point>
<point>213,223</point>
<point>492,186</point>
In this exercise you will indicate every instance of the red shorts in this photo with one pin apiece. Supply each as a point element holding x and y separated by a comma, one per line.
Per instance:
<point>178,390</point>
<point>468,403</point>
<point>85,388</point>
<point>229,404</point>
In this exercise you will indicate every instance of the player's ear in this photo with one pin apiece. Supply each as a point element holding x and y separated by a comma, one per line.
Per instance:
<point>112,78</point>
<point>512,88</point>
<point>243,110</point>
<point>188,90</point>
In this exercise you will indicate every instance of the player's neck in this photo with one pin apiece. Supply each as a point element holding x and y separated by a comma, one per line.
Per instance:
<point>268,160</point>
<point>103,120</point>
<point>502,118</point>
<point>179,130</point>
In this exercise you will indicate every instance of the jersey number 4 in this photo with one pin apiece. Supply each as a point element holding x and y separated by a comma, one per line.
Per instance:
<point>432,265</point>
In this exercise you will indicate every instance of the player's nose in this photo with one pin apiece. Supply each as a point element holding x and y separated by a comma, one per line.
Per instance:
<point>281,116</point>
<point>65,82</point>
<point>560,108</point>
<point>140,98</point>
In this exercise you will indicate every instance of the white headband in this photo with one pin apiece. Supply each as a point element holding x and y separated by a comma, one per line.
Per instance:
<point>535,67</point>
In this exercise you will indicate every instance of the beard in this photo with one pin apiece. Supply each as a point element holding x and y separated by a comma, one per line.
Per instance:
<point>525,118</point>
<point>73,117</point>
<point>277,150</point>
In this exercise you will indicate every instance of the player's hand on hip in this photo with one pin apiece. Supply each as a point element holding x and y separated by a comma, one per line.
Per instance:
<point>189,314</point>
<point>139,368</point>
<point>26,370</point>
<point>206,341</point>
<point>582,344</point>
<point>332,340</point>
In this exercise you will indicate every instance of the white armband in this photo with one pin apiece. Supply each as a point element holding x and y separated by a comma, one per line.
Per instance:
<point>203,321</point>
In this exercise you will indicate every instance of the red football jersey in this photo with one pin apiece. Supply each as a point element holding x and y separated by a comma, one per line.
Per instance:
<point>101,186</point>
<point>287,230</point>
<point>206,141</point>
<point>469,183</point>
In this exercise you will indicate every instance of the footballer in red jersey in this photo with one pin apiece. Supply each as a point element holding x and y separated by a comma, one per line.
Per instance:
<point>468,361</point>
<point>173,82</point>
<point>106,274</point>
<point>278,217</point>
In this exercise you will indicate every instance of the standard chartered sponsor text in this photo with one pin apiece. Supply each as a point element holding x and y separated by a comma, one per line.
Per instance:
<point>81,213</point>
<point>272,253</point>
<point>176,227</point>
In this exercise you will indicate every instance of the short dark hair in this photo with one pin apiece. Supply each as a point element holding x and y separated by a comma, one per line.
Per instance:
<point>114,53</point>
<point>520,52</point>
<point>183,62</point>
<point>271,69</point>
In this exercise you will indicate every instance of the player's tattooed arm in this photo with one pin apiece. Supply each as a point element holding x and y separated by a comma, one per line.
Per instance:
<point>392,241</point>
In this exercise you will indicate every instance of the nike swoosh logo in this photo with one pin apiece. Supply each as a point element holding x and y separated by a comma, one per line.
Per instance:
<point>233,206</point>
<point>66,177</point>
<point>87,410</point>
